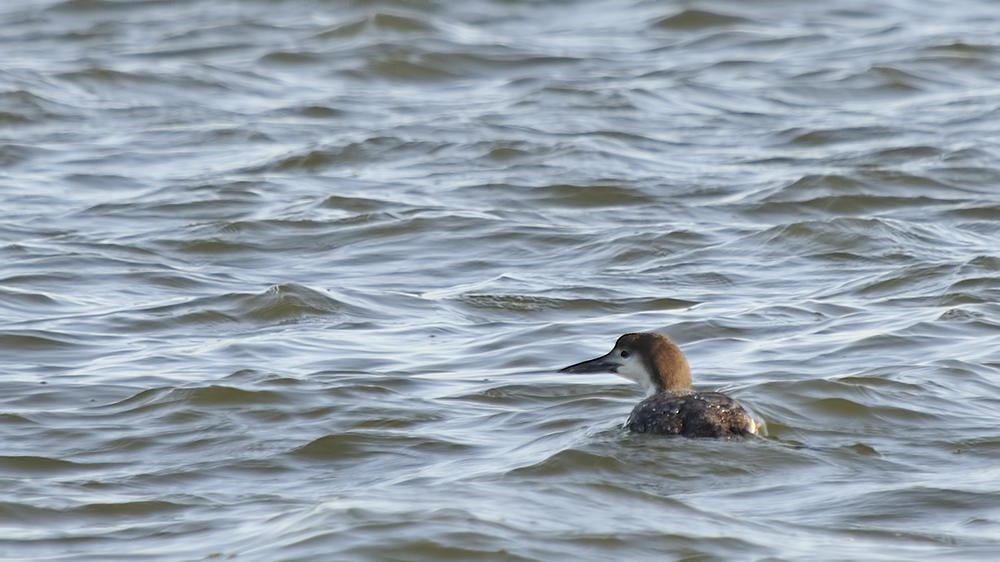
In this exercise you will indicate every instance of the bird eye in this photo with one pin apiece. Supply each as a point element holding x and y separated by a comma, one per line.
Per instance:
<point>624,354</point>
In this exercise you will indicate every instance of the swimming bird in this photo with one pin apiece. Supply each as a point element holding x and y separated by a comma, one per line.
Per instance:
<point>672,406</point>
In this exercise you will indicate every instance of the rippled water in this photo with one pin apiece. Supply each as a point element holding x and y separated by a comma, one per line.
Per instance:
<point>291,280</point>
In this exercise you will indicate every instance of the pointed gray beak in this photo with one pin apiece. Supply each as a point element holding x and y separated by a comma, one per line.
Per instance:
<point>604,364</point>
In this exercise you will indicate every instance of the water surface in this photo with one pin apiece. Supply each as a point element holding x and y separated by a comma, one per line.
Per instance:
<point>291,280</point>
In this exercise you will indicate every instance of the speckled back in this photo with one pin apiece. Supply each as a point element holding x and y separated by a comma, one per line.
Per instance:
<point>691,414</point>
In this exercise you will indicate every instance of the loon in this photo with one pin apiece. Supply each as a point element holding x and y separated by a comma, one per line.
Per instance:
<point>672,406</point>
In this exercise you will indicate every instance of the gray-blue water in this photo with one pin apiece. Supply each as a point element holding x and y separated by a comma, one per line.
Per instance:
<point>290,281</point>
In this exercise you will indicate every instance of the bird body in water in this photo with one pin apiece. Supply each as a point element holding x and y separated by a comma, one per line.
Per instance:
<point>672,406</point>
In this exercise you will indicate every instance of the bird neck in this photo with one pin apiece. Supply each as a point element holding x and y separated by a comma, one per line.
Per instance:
<point>670,369</point>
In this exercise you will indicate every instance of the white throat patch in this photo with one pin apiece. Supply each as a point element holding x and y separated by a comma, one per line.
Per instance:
<point>634,369</point>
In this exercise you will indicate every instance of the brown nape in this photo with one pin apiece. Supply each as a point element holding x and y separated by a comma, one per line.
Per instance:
<point>663,358</point>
